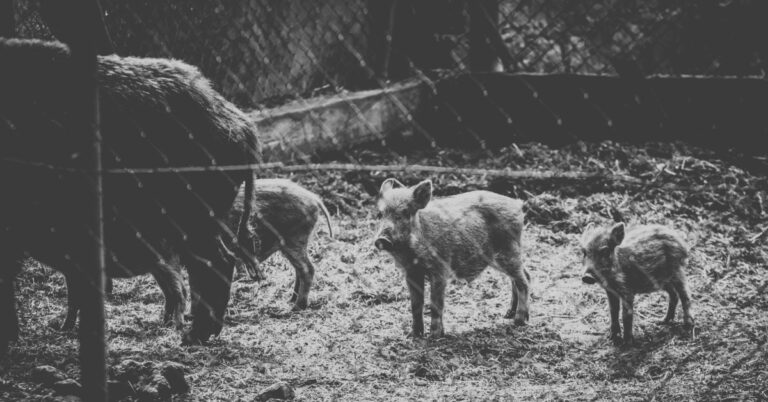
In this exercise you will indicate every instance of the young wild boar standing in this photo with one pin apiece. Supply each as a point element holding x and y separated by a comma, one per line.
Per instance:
<point>457,236</point>
<point>284,218</point>
<point>645,259</point>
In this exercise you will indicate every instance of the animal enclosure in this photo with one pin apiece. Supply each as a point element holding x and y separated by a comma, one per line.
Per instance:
<point>641,112</point>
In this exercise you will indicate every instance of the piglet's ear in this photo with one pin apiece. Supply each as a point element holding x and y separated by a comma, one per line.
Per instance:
<point>422,193</point>
<point>389,184</point>
<point>617,235</point>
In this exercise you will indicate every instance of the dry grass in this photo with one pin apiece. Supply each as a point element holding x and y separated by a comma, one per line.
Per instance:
<point>351,344</point>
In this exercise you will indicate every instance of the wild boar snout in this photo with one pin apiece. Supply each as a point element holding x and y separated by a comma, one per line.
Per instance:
<point>588,278</point>
<point>383,244</point>
<point>383,240</point>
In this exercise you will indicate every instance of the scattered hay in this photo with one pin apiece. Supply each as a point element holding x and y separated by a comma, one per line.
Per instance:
<point>352,343</point>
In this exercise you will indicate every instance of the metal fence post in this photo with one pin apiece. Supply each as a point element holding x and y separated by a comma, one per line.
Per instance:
<point>93,348</point>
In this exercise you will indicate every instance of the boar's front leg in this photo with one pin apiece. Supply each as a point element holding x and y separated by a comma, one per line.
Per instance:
<point>437,302</point>
<point>628,302</point>
<point>415,279</point>
<point>613,304</point>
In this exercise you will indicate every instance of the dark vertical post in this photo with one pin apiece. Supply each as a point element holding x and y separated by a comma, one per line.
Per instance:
<point>7,23</point>
<point>93,350</point>
<point>402,38</point>
<point>63,21</point>
<point>483,23</point>
<point>381,19</point>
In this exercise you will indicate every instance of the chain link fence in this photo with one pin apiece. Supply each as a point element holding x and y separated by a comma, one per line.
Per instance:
<point>176,152</point>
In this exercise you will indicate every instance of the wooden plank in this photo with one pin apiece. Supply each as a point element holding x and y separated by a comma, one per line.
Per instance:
<point>298,131</point>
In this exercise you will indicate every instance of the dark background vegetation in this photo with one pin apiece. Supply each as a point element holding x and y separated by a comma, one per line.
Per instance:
<point>262,51</point>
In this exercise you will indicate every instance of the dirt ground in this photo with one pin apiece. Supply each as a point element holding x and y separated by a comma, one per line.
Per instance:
<point>351,344</point>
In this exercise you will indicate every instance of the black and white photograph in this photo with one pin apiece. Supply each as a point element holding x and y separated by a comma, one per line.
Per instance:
<point>383,200</point>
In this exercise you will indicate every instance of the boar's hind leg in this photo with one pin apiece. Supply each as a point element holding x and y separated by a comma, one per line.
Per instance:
<point>682,290</point>
<point>672,304</point>
<point>513,267</point>
<point>305,273</point>
<point>513,309</point>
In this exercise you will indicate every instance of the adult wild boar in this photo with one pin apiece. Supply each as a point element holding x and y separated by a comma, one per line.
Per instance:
<point>457,236</point>
<point>155,113</point>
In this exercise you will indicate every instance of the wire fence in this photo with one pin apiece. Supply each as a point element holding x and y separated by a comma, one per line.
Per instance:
<point>176,152</point>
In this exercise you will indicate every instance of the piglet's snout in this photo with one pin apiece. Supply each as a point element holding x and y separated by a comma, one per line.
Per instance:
<point>383,244</point>
<point>588,278</point>
<point>383,240</point>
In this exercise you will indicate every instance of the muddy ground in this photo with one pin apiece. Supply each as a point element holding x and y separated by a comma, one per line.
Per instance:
<point>351,343</point>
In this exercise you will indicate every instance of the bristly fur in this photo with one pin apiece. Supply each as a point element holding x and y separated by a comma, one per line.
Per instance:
<point>155,113</point>
<point>457,236</point>
<point>634,260</point>
<point>163,82</point>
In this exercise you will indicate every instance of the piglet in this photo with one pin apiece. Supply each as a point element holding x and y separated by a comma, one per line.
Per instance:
<point>457,236</point>
<point>641,259</point>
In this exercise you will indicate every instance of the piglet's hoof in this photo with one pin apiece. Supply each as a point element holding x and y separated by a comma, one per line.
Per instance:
<point>415,335</point>
<point>521,318</point>
<point>616,338</point>
<point>191,338</point>
<point>254,271</point>
<point>627,342</point>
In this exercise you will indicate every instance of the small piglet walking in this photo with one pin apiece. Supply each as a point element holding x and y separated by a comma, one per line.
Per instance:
<point>457,236</point>
<point>284,218</point>
<point>642,260</point>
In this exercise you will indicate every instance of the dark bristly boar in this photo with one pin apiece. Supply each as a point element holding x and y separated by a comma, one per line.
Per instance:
<point>642,260</point>
<point>284,216</point>
<point>457,236</point>
<point>155,113</point>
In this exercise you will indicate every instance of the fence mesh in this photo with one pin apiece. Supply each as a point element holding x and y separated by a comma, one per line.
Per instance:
<point>171,155</point>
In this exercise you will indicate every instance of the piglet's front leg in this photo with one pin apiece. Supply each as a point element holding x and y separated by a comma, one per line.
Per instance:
<point>627,315</point>
<point>415,279</point>
<point>437,302</point>
<point>614,304</point>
